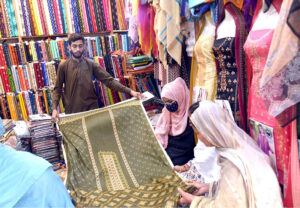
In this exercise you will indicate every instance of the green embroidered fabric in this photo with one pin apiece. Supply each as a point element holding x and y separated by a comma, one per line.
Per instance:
<point>115,160</point>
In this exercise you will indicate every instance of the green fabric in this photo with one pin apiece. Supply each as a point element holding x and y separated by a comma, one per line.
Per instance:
<point>11,79</point>
<point>114,159</point>
<point>111,100</point>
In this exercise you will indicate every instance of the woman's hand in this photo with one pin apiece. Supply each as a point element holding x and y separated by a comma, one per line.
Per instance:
<point>187,198</point>
<point>201,188</point>
<point>181,168</point>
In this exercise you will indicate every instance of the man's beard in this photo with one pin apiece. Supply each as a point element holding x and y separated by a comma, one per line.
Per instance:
<point>78,57</point>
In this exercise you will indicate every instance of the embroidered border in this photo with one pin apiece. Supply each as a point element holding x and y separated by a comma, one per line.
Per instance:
<point>91,154</point>
<point>121,149</point>
<point>113,174</point>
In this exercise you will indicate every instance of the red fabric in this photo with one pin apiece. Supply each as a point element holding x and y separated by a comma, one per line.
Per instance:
<point>107,16</point>
<point>292,194</point>
<point>2,57</point>
<point>21,77</point>
<point>285,139</point>
<point>93,16</point>
<point>57,17</point>
<point>5,79</point>
<point>145,22</point>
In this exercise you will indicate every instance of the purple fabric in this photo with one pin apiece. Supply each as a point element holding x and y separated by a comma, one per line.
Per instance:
<point>249,5</point>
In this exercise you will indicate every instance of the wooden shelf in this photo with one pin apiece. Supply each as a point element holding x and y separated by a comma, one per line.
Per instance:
<point>64,35</point>
<point>10,38</point>
<point>44,36</point>
<point>120,31</point>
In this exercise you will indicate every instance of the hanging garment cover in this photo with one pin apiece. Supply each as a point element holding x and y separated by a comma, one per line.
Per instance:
<point>115,160</point>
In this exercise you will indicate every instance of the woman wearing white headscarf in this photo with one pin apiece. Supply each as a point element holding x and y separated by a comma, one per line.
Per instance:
<point>247,178</point>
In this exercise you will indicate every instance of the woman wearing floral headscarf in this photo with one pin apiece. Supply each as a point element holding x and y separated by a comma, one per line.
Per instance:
<point>247,178</point>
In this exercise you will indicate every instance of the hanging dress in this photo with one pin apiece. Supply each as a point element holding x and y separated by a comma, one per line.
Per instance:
<point>257,48</point>
<point>230,59</point>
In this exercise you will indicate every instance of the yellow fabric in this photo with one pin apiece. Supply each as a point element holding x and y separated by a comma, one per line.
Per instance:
<point>204,66</point>
<point>62,109</point>
<point>33,51</point>
<point>11,107</point>
<point>22,104</point>
<point>230,192</point>
<point>46,101</point>
<point>37,17</point>
<point>203,70</point>
<point>237,3</point>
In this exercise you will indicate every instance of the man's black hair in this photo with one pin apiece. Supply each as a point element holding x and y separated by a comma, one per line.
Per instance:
<point>75,37</point>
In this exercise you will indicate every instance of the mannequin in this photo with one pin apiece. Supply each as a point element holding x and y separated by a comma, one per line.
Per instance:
<point>267,19</point>
<point>190,37</point>
<point>227,27</point>
<point>257,49</point>
<point>227,49</point>
<point>203,74</point>
<point>209,28</point>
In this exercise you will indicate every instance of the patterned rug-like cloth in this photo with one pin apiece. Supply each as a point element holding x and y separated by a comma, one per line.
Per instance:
<point>115,160</point>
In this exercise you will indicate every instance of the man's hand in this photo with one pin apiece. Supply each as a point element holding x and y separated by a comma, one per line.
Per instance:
<point>136,95</point>
<point>55,115</point>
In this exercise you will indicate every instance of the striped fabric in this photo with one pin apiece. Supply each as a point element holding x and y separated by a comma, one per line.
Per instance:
<point>168,31</point>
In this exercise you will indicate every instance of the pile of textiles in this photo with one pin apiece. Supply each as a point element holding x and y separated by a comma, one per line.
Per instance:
<point>43,138</point>
<point>115,160</point>
<point>8,125</point>
<point>139,62</point>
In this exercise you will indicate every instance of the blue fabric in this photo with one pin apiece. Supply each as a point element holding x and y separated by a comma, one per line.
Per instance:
<point>182,12</point>
<point>32,102</point>
<point>19,170</point>
<point>29,181</point>
<point>46,193</point>
<point>197,12</point>
<point>75,16</point>
<point>1,127</point>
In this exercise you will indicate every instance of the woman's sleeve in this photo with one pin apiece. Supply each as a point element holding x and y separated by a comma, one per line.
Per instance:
<point>229,193</point>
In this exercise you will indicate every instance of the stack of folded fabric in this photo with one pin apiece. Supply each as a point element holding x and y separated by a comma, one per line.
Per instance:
<point>8,124</point>
<point>139,62</point>
<point>43,138</point>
